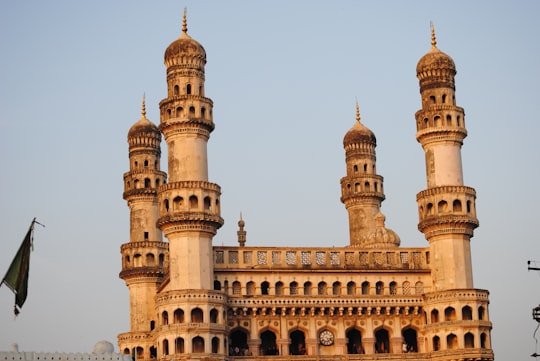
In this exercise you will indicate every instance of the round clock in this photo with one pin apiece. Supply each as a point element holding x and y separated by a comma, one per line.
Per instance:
<point>326,337</point>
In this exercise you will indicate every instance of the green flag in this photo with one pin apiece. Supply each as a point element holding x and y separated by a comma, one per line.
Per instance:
<point>16,277</point>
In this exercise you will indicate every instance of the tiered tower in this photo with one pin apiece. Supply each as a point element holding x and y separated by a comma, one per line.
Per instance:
<point>144,257</point>
<point>446,208</point>
<point>189,211</point>
<point>362,190</point>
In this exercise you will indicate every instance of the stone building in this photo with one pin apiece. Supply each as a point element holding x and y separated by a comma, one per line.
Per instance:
<point>368,300</point>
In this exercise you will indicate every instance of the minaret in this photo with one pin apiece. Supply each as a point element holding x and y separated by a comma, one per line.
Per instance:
<point>362,190</point>
<point>189,203</point>
<point>144,257</point>
<point>241,233</point>
<point>446,208</point>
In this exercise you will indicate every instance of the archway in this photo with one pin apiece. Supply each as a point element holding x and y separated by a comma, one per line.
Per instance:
<point>238,342</point>
<point>382,341</point>
<point>298,343</point>
<point>354,344</point>
<point>410,344</point>
<point>268,343</point>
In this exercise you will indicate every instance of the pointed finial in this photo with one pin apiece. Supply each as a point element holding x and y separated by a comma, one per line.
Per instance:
<point>143,111</point>
<point>184,22</point>
<point>433,39</point>
<point>357,111</point>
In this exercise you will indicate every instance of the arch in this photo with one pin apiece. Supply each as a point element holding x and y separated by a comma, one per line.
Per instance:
<point>279,288</point>
<point>147,183</point>
<point>448,120</point>
<point>214,315</point>
<point>469,340</point>
<point>250,288</point>
<point>179,316</point>
<point>136,184</point>
<point>268,343</point>
<point>307,288</point>
<point>469,206</point>
<point>217,285</point>
<point>179,345</point>
<point>481,313</point>
<point>406,288</point>
<point>466,313</point>
<point>236,288</point>
<point>166,205</point>
<point>215,344</point>
<point>393,288</point>
<point>483,338</point>
<point>357,187</point>
<point>207,203</point>
<point>451,341</point>
<point>169,113</point>
<point>429,209</point>
<point>179,111</point>
<point>419,288</point>
<point>366,187</point>
<point>410,340</point>
<point>164,318</point>
<point>203,112</point>
<point>137,260</point>
<point>432,99</point>
<point>165,345</point>
<point>436,121</point>
<point>351,288</point>
<point>192,110</point>
<point>444,98</point>
<point>456,205</point>
<point>382,341</point>
<point>321,288</point>
<point>178,202</point>
<point>354,341</point>
<point>293,288</point>
<point>161,258</point>
<point>458,121</point>
<point>449,314</point>
<point>176,90</point>
<point>150,258</point>
<point>152,325</point>
<point>434,316</point>
<point>365,288</point>
<point>146,163</point>
<point>442,207</point>
<point>336,288</point>
<point>297,343</point>
<point>365,167</point>
<point>379,288</point>
<point>436,344</point>
<point>197,344</point>
<point>197,315</point>
<point>193,202</point>
<point>188,88</point>
<point>355,168</point>
<point>265,286</point>
<point>239,342</point>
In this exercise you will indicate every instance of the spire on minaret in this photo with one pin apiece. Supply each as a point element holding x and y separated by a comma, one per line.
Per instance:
<point>184,22</point>
<point>357,111</point>
<point>143,110</point>
<point>433,39</point>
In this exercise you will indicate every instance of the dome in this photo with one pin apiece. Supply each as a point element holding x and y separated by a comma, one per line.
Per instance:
<point>103,347</point>
<point>381,237</point>
<point>143,126</point>
<point>359,133</point>
<point>435,59</point>
<point>184,47</point>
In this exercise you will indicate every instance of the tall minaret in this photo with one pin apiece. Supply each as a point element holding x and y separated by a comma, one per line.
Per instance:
<point>446,208</point>
<point>189,204</point>
<point>144,257</point>
<point>362,190</point>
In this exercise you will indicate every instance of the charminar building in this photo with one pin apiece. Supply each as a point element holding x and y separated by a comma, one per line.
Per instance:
<point>368,300</point>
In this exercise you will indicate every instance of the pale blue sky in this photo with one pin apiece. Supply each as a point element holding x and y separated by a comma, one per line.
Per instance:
<point>284,77</point>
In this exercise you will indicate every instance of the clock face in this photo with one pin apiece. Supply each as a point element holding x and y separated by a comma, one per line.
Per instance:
<point>326,337</point>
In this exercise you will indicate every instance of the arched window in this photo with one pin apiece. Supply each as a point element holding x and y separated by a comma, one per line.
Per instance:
<point>444,98</point>
<point>217,285</point>
<point>179,345</point>
<point>197,344</point>
<point>379,288</point>
<point>321,288</point>
<point>437,121</point>
<point>188,89</point>
<point>192,110</point>
<point>193,202</point>
<point>149,257</point>
<point>279,288</point>
<point>178,315</point>
<point>442,207</point>
<point>166,205</point>
<point>178,202</point>
<point>250,288</point>
<point>264,288</point>
<point>165,347</point>
<point>268,343</point>
<point>436,343</point>
<point>236,288</point>
<point>351,288</point>
<point>239,341</point>
<point>406,288</point>
<point>469,340</point>
<point>197,315</point>
<point>355,168</point>
<point>176,90</point>
<point>164,318</point>
<point>366,187</point>
<point>429,209</point>
<point>393,288</point>
<point>382,341</point>
<point>450,314</point>
<point>434,316</point>
<point>203,112</point>
<point>458,121</point>
<point>365,168</point>
<point>483,339</point>
<point>215,345</point>
<point>179,111</point>
<point>357,187</point>
<point>365,288</point>
<point>213,315</point>
<point>410,340</point>
<point>336,288</point>
<point>137,260</point>
<point>481,313</point>
<point>307,288</point>
<point>451,341</point>
<point>298,343</point>
<point>466,313</point>
<point>456,205</point>
<point>293,288</point>
<point>419,288</point>
<point>448,120</point>
<point>207,204</point>
<point>354,344</point>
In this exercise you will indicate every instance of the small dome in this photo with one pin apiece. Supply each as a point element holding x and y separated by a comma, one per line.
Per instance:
<point>143,127</point>
<point>359,133</point>
<point>184,48</point>
<point>103,347</point>
<point>381,237</point>
<point>435,60</point>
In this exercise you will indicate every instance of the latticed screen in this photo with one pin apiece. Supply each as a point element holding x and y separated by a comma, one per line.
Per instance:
<point>349,258</point>
<point>276,257</point>
<point>248,257</point>
<point>219,256</point>
<point>306,258</point>
<point>320,258</point>
<point>233,257</point>
<point>290,257</point>
<point>334,258</point>
<point>261,257</point>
